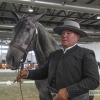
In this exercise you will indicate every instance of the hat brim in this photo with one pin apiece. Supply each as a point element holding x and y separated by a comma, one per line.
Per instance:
<point>59,29</point>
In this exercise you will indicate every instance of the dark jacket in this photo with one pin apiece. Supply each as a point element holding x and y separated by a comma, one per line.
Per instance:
<point>77,70</point>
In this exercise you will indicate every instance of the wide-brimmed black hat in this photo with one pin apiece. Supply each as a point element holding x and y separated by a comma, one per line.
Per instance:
<point>70,25</point>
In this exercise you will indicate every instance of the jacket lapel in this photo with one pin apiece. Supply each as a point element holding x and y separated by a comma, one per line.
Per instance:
<point>73,49</point>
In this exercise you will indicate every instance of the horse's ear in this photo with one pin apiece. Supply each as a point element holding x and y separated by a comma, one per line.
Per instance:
<point>38,17</point>
<point>15,15</point>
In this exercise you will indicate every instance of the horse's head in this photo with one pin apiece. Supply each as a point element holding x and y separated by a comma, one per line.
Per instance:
<point>25,34</point>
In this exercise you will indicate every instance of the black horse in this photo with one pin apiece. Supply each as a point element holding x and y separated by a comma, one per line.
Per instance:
<point>29,35</point>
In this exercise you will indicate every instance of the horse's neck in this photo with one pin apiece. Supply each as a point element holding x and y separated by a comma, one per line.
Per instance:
<point>45,44</point>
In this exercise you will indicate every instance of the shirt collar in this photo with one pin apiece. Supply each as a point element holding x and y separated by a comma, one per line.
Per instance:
<point>68,48</point>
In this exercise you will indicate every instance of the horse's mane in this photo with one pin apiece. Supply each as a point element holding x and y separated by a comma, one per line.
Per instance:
<point>47,35</point>
<point>46,43</point>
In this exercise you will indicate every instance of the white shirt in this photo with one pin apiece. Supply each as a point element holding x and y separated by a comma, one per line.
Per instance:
<point>68,48</point>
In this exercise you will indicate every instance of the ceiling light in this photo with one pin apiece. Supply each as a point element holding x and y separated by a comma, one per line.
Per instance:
<point>30,9</point>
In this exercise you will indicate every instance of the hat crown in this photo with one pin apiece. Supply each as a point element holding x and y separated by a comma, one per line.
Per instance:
<point>72,23</point>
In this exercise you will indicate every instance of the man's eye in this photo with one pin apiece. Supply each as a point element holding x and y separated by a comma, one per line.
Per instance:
<point>68,32</point>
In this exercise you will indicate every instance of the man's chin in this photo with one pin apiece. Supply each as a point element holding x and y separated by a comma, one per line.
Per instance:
<point>64,44</point>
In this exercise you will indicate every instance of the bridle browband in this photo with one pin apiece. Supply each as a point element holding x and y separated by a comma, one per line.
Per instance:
<point>22,49</point>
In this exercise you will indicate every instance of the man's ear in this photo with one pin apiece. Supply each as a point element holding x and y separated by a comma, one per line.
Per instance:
<point>78,36</point>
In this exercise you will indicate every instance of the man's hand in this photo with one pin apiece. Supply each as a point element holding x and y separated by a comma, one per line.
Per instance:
<point>61,95</point>
<point>21,74</point>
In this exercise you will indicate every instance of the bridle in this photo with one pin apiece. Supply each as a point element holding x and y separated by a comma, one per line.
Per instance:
<point>22,49</point>
<point>25,54</point>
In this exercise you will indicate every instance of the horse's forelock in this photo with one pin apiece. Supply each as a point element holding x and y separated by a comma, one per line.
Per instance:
<point>16,28</point>
<point>21,22</point>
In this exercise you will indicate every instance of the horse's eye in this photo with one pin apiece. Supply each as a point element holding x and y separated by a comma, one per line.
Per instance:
<point>27,29</point>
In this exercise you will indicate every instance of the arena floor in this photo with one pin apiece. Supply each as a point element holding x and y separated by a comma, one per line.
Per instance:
<point>11,91</point>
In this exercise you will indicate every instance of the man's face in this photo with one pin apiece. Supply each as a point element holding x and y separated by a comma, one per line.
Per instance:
<point>69,38</point>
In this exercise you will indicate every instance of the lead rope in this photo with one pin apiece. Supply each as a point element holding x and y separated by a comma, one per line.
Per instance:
<point>22,65</point>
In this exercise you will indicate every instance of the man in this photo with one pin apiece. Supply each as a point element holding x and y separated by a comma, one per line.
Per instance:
<point>72,70</point>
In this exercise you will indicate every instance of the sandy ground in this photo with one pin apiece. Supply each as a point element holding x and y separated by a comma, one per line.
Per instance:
<point>12,92</point>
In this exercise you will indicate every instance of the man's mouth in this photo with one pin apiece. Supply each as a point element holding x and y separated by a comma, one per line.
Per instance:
<point>64,40</point>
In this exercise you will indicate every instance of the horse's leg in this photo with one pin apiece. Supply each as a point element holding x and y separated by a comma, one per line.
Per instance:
<point>44,94</point>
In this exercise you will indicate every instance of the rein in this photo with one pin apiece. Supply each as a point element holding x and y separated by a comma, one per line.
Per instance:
<point>25,55</point>
<point>22,65</point>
